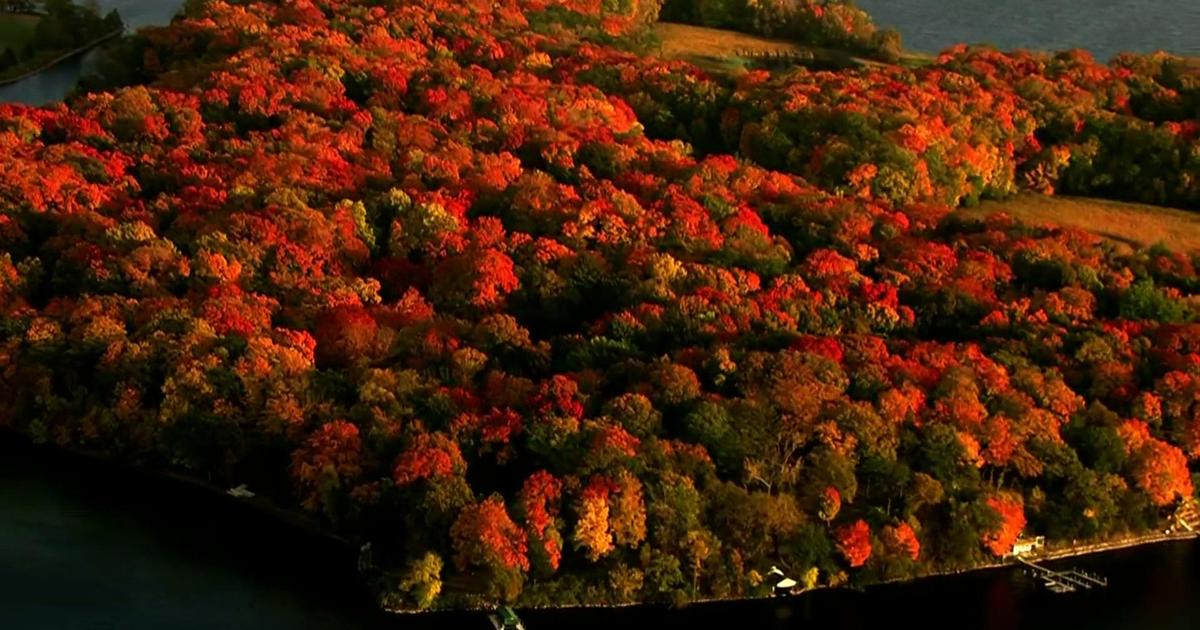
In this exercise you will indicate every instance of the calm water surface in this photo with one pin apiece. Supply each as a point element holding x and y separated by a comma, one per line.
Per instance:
<point>86,546</point>
<point>55,83</point>
<point>1105,27</point>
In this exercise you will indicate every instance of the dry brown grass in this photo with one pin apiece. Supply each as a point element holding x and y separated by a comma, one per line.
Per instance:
<point>726,51</point>
<point>681,41</point>
<point>1133,224</point>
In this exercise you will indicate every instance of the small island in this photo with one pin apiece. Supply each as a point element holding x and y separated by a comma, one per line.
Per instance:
<point>35,36</point>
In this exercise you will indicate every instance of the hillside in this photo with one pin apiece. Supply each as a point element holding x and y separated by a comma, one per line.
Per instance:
<point>549,322</point>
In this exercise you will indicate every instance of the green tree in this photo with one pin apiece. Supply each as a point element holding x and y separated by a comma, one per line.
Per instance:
<point>1144,300</point>
<point>422,582</point>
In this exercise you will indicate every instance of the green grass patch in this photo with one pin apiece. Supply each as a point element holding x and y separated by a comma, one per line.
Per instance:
<point>16,30</point>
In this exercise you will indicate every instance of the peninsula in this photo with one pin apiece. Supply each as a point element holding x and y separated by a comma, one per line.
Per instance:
<point>538,309</point>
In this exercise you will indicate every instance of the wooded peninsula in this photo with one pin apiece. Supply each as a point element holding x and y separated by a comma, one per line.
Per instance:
<point>551,317</point>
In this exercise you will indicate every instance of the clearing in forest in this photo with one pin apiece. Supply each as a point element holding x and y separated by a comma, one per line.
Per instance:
<point>682,41</point>
<point>1133,224</point>
<point>719,49</point>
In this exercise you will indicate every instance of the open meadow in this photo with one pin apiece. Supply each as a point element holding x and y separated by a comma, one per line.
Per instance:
<point>1130,223</point>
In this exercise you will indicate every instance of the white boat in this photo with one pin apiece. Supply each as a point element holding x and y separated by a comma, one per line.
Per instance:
<point>240,492</point>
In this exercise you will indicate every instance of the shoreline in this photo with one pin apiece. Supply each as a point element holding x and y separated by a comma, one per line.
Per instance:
<point>63,57</point>
<point>294,518</point>
<point>301,522</point>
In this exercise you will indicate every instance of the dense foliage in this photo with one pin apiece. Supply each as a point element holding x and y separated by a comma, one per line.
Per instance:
<point>418,267</point>
<point>973,124</point>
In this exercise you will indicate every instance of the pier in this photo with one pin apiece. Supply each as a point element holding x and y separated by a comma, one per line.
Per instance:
<point>1187,516</point>
<point>1063,581</point>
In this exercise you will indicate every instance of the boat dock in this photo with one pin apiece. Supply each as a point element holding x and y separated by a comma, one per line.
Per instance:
<point>1067,581</point>
<point>1187,516</point>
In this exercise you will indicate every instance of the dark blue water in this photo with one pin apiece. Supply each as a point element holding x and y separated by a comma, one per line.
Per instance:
<point>85,546</point>
<point>55,83</point>
<point>1105,27</point>
<point>1150,588</point>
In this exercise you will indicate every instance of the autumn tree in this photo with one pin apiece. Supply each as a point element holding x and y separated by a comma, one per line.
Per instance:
<point>854,543</point>
<point>487,539</point>
<point>1011,512</point>
<point>328,462</point>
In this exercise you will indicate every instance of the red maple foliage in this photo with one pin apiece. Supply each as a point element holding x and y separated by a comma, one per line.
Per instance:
<point>484,535</point>
<point>902,539</point>
<point>1011,511</point>
<point>854,542</point>
<point>431,455</point>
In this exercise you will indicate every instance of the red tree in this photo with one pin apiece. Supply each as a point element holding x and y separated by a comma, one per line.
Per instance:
<point>430,456</point>
<point>854,542</point>
<point>485,536</point>
<point>1011,511</point>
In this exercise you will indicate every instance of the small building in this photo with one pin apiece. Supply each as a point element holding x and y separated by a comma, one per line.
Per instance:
<point>783,585</point>
<point>1028,545</point>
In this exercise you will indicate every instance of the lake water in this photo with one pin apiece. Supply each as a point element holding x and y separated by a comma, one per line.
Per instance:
<point>1105,27</point>
<point>84,545</point>
<point>87,546</point>
<point>55,83</point>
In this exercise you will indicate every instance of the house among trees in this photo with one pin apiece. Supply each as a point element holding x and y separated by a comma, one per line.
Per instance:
<point>1024,546</point>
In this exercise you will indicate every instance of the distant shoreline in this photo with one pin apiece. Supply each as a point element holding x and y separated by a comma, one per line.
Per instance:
<point>63,57</point>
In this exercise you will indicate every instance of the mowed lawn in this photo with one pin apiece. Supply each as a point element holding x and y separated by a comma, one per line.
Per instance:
<point>702,45</point>
<point>1134,224</point>
<point>680,41</point>
<point>16,30</point>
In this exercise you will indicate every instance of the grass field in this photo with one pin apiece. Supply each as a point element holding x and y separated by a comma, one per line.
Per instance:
<point>1136,225</point>
<point>682,41</point>
<point>712,48</point>
<point>16,30</point>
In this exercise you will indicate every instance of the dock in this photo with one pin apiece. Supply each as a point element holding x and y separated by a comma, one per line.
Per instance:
<point>1067,581</point>
<point>1187,516</point>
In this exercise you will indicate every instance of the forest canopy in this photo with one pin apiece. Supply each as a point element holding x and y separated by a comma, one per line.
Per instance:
<point>548,321</point>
